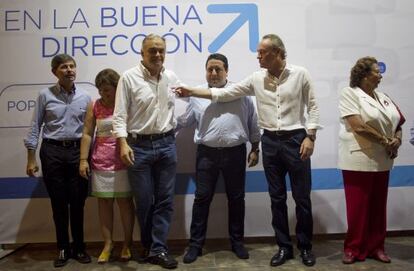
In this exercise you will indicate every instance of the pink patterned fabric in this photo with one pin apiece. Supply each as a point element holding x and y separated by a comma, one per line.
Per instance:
<point>105,154</point>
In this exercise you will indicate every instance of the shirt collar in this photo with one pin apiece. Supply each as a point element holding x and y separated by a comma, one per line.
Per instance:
<point>225,85</point>
<point>286,71</point>
<point>62,90</point>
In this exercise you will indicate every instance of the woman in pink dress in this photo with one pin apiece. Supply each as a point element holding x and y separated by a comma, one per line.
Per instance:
<point>109,174</point>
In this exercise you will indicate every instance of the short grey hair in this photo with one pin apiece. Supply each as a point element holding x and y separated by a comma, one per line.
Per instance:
<point>152,37</point>
<point>277,43</point>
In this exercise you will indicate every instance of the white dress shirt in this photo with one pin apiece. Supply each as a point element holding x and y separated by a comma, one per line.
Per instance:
<point>281,102</point>
<point>144,104</point>
<point>221,125</point>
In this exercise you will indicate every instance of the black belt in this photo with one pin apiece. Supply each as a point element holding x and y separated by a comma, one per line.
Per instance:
<point>151,137</point>
<point>202,146</point>
<point>283,133</point>
<point>63,143</point>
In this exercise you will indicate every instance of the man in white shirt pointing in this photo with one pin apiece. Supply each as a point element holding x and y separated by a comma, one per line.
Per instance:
<point>283,94</point>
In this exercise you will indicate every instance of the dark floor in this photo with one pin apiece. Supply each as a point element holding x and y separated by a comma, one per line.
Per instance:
<point>217,256</point>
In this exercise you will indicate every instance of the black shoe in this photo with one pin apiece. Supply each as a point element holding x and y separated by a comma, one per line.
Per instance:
<point>281,256</point>
<point>62,258</point>
<point>82,257</point>
<point>143,256</point>
<point>240,251</point>
<point>192,254</point>
<point>308,258</point>
<point>164,260</point>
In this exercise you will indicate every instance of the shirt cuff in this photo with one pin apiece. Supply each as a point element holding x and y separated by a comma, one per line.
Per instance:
<point>214,95</point>
<point>314,126</point>
<point>120,134</point>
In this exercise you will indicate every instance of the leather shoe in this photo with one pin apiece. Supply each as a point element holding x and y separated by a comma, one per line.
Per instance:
<point>348,258</point>
<point>81,257</point>
<point>62,258</point>
<point>192,254</point>
<point>281,256</point>
<point>240,251</point>
<point>380,255</point>
<point>308,258</point>
<point>164,260</point>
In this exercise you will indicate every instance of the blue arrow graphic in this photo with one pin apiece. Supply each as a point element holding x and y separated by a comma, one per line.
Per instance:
<point>248,13</point>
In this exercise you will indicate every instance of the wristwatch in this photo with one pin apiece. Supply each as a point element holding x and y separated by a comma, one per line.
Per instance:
<point>312,137</point>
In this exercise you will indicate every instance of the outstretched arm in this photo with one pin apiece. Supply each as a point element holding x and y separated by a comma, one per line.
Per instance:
<point>193,92</point>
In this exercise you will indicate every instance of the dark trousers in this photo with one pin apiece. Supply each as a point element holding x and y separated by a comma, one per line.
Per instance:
<point>366,211</point>
<point>280,157</point>
<point>152,179</point>
<point>67,191</point>
<point>231,162</point>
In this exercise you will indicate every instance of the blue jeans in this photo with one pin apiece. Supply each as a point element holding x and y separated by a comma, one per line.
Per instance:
<point>280,157</point>
<point>152,179</point>
<point>231,162</point>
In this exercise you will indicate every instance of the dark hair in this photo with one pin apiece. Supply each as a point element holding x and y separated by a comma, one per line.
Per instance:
<point>220,57</point>
<point>107,77</point>
<point>360,70</point>
<point>59,59</point>
<point>277,43</point>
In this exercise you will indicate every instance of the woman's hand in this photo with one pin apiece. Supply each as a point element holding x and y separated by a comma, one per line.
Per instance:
<point>84,170</point>
<point>392,147</point>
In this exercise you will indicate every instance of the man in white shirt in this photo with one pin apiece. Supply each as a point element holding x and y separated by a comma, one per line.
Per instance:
<point>222,130</point>
<point>283,94</point>
<point>144,125</point>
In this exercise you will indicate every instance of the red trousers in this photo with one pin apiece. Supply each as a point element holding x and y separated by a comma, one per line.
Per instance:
<point>366,210</point>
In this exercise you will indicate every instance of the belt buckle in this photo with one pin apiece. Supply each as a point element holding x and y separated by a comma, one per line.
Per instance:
<point>66,143</point>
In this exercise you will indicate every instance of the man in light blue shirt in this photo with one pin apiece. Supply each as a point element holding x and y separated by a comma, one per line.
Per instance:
<point>222,130</point>
<point>58,119</point>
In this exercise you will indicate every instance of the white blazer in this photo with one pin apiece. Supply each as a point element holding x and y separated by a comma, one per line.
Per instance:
<point>359,153</point>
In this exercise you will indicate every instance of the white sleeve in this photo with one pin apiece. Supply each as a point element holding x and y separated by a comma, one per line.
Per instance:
<point>234,91</point>
<point>349,103</point>
<point>122,100</point>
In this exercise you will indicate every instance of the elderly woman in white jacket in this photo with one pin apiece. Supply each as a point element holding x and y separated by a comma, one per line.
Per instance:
<point>370,135</point>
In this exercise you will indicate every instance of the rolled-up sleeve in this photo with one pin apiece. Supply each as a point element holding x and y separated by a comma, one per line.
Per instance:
<point>122,100</point>
<point>234,91</point>
<point>311,104</point>
<point>32,138</point>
